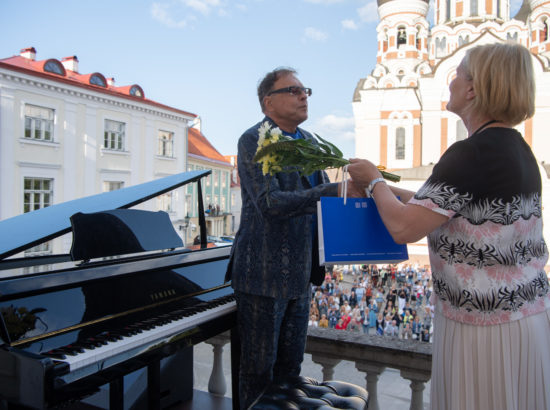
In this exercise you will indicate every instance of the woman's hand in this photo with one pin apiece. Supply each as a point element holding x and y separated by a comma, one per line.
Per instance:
<point>362,172</point>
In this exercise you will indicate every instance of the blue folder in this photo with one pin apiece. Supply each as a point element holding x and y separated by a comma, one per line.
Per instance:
<point>354,234</point>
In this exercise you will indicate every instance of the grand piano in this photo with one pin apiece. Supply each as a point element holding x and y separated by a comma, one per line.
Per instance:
<point>128,298</point>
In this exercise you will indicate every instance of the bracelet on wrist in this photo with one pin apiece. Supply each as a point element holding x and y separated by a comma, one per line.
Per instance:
<point>370,189</point>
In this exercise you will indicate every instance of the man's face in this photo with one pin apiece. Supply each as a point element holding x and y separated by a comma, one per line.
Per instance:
<point>285,108</point>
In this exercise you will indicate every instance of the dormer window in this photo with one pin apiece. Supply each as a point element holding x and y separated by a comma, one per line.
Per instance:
<point>99,80</point>
<point>54,66</point>
<point>136,91</point>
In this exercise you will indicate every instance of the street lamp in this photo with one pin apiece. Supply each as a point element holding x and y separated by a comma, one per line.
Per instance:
<point>183,227</point>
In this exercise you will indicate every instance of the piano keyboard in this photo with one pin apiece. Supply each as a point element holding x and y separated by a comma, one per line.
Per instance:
<point>109,348</point>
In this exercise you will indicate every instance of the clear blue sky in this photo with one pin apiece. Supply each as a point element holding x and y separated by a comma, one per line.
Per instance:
<point>207,56</point>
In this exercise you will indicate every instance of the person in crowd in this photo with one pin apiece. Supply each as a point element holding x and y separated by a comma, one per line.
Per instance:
<point>481,209</point>
<point>380,324</point>
<point>406,331</point>
<point>332,317</point>
<point>273,255</point>
<point>341,325</point>
<point>392,328</point>
<point>356,322</point>
<point>416,328</point>
<point>323,322</point>
<point>313,322</point>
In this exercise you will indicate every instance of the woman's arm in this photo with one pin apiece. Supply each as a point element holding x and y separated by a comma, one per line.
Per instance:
<point>405,222</point>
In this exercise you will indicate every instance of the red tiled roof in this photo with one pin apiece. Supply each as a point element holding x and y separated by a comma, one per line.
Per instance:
<point>33,67</point>
<point>200,146</point>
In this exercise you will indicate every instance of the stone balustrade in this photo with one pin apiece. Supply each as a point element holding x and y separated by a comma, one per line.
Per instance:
<point>371,354</point>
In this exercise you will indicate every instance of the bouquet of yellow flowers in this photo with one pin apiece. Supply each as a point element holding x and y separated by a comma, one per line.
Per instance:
<point>280,153</point>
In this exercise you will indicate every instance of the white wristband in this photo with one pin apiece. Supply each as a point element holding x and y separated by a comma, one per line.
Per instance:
<point>369,190</point>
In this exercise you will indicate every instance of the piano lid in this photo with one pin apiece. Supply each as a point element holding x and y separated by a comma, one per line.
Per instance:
<point>26,230</point>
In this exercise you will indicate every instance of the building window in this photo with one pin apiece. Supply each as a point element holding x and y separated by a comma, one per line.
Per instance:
<point>136,91</point>
<point>109,186</point>
<point>99,80</point>
<point>463,40</point>
<point>544,32</point>
<point>400,143</point>
<point>448,10</point>
<point>37,193</point>
<point>165,202</point>
<point>222,204</point>
<point>224,176</point>
<point>114,135</point>
<point>512,36</point>
<point>216,178</point>
<point>39,123</point>
<point>473,8</point>
<point>166,144</point>
<point>401,36</point>
<point>440,47</point>
<point>53,66</point>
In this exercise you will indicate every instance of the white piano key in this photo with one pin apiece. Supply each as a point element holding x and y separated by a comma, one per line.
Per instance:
<point>102,357</point>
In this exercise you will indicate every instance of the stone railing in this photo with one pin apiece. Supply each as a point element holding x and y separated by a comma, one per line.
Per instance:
<point>371,355</point>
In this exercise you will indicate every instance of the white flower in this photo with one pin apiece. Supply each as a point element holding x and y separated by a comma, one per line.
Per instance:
<point>276,132</point>
<point>262,132</point>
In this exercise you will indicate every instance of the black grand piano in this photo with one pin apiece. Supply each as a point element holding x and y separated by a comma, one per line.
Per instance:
<point>129,296</point>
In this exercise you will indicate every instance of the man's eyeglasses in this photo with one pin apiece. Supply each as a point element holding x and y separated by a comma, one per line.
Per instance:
<point>293,90</point>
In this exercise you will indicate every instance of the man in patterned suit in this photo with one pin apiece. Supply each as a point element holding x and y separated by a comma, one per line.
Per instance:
<point>271,261</point>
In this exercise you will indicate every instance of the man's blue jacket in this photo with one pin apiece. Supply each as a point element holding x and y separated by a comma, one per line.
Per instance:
<point>272,250</point>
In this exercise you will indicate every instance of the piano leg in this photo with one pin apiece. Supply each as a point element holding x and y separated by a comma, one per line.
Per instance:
<point>153,385</point>
<point>116,394</point>
<point>235,365</point>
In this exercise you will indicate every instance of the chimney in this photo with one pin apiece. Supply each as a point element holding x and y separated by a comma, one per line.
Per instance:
<point>70,63</point>
<point>197,123</point>
<point>111,81</point>
<point>28,52</point>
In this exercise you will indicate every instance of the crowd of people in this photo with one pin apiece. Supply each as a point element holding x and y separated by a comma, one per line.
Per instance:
<point>390,301</point>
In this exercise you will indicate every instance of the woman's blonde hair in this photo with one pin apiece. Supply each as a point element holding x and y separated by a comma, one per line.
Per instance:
<point>504,81</point>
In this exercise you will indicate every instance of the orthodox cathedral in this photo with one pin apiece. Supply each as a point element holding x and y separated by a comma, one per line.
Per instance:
<point>399,109</point>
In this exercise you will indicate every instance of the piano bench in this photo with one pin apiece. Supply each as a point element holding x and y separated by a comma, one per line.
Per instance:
<point>307,393</point>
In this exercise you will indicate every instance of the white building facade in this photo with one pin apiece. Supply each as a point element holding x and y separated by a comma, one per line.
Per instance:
<point>399,109</point>
<point>66,135</point>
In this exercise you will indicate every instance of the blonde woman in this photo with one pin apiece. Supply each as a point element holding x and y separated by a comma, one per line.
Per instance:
<point>481,210</point>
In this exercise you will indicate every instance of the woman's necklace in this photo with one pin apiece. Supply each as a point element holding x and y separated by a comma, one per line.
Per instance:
<point>483,126</point>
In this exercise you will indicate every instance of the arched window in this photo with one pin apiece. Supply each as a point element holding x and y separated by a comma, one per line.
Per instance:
<point>544,31</point>
<point>401,36</point>
<point>463,39</point>
<point>385,44</point>
<point>461,131</point>
<point>99,80</point>
<point>512,36</point>
<point>418,39</point>
<point>136,91</point>
<point>400,143</point>
<point>440,47</point>
<point>54,66</point>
